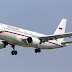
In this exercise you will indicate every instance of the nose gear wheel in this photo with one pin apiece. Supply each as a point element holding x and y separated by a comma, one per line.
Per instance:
<point>14,52</point>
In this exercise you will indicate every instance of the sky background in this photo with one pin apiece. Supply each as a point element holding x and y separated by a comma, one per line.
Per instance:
<point>42,16</point>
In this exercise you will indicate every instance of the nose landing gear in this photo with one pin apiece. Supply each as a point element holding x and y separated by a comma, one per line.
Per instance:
<point>14,52</point>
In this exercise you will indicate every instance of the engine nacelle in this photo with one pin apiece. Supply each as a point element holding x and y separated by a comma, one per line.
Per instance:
<point>2,45</point>
<point>19,39</point>
<point>33,40</point>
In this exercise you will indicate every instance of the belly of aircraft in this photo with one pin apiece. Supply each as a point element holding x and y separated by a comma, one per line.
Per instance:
<point>11,39</point>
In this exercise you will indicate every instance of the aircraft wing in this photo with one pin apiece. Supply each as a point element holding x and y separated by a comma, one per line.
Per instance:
<point>51,37</point>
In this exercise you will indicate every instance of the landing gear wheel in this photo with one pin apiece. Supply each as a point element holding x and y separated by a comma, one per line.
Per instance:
<point>37,50</point>
<point>14,52</point>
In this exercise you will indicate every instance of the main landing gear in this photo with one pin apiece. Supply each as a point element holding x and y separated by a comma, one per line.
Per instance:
<point>37,50</point>
<point>14,52</point>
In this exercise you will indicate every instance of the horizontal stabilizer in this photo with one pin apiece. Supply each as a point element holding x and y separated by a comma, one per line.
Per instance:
<point>67,42</point>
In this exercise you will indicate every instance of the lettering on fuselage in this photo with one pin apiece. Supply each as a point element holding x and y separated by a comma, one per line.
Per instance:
<point>13,28</point>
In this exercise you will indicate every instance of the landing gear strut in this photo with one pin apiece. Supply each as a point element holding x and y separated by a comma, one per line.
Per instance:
<point>37,50</point>
<point>14,52</point>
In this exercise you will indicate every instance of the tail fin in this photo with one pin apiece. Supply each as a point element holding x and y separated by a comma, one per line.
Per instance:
<point>61,28</point>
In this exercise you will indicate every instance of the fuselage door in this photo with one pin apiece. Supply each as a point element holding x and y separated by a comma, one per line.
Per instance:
<point>3,29</point>
<point>2,35</point>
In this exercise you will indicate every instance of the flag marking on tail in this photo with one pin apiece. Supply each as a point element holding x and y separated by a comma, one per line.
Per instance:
<point>60,28</point>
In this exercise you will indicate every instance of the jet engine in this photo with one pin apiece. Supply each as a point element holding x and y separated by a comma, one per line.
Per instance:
<point>33,40</point>
<point>2,45</point>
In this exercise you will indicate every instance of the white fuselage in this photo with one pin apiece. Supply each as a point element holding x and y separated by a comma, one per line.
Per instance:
<point>15,36</point>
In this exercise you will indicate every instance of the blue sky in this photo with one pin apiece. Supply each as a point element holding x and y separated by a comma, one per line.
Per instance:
<point>42,16</point>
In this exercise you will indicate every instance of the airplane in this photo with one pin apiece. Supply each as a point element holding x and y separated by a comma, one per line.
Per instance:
<point>25,38</point>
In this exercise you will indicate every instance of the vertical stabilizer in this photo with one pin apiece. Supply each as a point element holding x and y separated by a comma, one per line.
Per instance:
<point>61,28</point>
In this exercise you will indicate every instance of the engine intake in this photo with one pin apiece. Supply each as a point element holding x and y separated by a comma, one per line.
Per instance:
<point>29,40</point>
<point>33,40</point>
<point>2,44</point>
